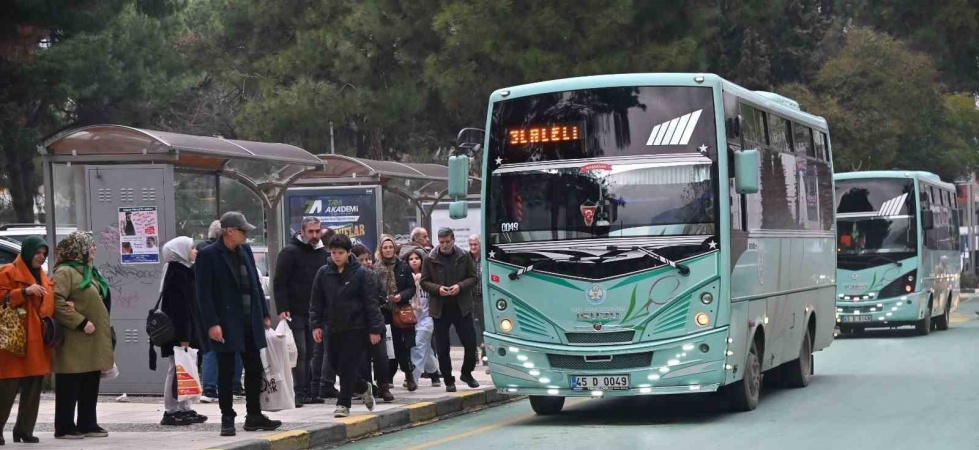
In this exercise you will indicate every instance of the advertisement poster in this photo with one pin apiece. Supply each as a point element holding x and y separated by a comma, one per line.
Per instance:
<point>462,228</point>
<point>139,240</point>
<point>349,211</point>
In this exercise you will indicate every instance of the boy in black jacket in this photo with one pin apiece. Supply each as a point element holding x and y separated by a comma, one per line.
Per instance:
<point>345,302</point>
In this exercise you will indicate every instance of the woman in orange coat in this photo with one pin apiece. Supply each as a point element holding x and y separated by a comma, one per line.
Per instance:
<point>32,295</point>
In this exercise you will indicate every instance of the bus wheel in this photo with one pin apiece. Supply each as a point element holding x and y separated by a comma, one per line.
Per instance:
<point>798,373</point>
<point>545,406</point>
<point>942,322</point>
<point>744,394</point>
<point>923,326</point>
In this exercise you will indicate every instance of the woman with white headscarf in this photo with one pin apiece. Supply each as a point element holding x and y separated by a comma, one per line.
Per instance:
<point>180,304</point>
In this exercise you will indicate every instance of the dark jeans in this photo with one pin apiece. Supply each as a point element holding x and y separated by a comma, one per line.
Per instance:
<point>209,372</point>
<point>347,352</point>
<point>252,362</point>
<point>322,373</point>
<point>30,402</point>
<point>452,317</point>
<point>403,340</point>
<point>300,374</point>
<point>72,389</point>
<point>378,355</point>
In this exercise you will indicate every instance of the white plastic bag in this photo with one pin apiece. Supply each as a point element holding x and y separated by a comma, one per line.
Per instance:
<point>277,387</point>
<point>110,374</point>
<point>389,341</point>
<point>283,330</point>
<point>188,379</point>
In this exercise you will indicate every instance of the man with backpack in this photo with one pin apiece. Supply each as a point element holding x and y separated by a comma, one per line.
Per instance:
<point>345,305</point>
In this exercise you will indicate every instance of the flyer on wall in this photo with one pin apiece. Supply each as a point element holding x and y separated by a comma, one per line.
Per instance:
<point>139,235</point>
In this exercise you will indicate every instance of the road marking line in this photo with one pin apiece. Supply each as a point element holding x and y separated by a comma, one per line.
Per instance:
<point>481,430</point>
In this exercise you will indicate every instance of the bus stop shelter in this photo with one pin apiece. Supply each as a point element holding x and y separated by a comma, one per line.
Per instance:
<point>135,189</point>
<point>407,193</point>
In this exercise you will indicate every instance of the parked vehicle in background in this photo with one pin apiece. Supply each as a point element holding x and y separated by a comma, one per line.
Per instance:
<point>20,231</point>
<point>9,249</point>
<point>262,262</point>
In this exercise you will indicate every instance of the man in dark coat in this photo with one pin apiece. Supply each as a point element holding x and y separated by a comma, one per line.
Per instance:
<point>236,316</point>
<point>345,306</point>
<point>449,276</point>
<point>295,269</point>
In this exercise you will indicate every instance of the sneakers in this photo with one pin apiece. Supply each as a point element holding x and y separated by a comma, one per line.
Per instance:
<point>261,422</point>
<point>194,417</point>
<point>74,435</point>
<point>436,379</point>
<point>209,396</point>
<point>239,394</point>
<point>228,425</point>
<point>450,387</point>
<point>314,401</point>
<point>341,411</point>
<point>469,380</point>
<point>176,419</point>
<point>368,398</point>
<point>97,433</point>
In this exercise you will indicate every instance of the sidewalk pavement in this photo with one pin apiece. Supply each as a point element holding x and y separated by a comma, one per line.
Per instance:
<point>136,424</point>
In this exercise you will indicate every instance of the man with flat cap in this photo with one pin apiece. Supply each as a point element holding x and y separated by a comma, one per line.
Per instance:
<point>236,314</point>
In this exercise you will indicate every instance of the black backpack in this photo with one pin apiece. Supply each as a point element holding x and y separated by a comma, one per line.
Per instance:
<point>160,329</point>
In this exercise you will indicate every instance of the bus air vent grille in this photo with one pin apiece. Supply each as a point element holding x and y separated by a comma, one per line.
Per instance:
<point>617,362</point>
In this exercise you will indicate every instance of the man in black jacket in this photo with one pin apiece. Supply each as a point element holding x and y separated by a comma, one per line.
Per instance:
<point>295,269</point>
<point>345,301</point>
<point>449,276</point>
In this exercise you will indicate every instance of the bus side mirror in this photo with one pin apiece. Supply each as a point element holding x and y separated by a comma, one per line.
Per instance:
<point>735,127</point>
<point>458,176</point>
<point>746,171</point>
<point>928,220</point>
<point>459,210</point>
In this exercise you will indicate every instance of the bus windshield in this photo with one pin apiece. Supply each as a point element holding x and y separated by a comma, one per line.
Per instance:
<point>602,200</point>
<point>602,163</point>
<point>875,216</point>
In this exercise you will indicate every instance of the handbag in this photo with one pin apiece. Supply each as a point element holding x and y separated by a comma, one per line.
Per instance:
<point>13,336</point>
<point>403,316</point>
<point>159,326</point>
<point>51,331</point>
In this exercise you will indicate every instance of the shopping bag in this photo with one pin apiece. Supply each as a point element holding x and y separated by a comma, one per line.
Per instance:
<point>110,374</point>
<point>283,330</point>
<point>277,388</point>
<point>188,379</point>
<point>389,341</point>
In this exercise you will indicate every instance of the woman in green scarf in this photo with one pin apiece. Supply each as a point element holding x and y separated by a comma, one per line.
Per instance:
<point>87,347</point>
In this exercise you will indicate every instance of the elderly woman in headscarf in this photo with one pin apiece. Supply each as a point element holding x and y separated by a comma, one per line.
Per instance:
<point>27,288</point>
<point>82,304</point>
<point>180,304</point>
<point>399,288</point>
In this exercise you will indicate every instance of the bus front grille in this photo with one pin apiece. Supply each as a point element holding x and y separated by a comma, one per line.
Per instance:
<point>616,337</point>
<point>601,362</point>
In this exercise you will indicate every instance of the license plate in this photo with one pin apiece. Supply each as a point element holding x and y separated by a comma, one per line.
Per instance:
<point>599,382</point>
<point>856,318</point>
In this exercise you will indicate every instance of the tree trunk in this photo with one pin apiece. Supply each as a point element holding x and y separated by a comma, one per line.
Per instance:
<point>22,182</point>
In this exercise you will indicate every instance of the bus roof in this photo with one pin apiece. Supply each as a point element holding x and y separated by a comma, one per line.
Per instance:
<point>772,102</point>
<point>910,174</point>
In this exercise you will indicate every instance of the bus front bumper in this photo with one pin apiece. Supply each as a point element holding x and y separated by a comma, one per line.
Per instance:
<point>688,364</point>
<point>882,312</point>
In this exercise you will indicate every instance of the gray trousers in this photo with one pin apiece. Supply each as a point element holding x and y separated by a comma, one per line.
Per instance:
<point>301,373</point>
<point>170,402</point>
<point>30,402</point>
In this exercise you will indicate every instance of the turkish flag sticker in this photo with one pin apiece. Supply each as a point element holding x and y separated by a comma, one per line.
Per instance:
<point>495,278</point>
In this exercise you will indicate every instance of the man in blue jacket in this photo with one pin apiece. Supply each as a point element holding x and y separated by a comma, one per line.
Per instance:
<point>236,315</point>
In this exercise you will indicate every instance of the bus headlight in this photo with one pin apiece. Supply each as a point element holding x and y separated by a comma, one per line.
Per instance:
<point>702,319</point>
<point>506,325</point>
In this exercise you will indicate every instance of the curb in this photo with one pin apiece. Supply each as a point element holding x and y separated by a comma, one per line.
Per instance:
<point>367,425</point>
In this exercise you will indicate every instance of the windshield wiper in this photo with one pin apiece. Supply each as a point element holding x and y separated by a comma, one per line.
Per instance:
<point>680,267</point>
<point>515,275</point>
<point>892,260</point>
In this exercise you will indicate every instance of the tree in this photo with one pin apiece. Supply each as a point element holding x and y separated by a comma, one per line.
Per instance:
<point>64,63</point>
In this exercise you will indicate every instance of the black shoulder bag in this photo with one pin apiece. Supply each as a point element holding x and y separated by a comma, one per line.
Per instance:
<point>160,329</point>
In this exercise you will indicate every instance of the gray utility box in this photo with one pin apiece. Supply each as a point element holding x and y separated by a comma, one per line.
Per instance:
<point>131,214</point>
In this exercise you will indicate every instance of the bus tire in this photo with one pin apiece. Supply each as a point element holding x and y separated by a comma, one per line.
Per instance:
<point>798,373</point>
<point>943,321</point>
<point>923,326</point>
<point>546,405</point>
<point>743,395</point>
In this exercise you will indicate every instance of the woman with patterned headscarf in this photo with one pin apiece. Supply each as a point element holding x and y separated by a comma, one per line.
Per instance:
<point>399,288</point>
<point>179,291</point>
<point>27,288</point>
<point>87,347</point>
